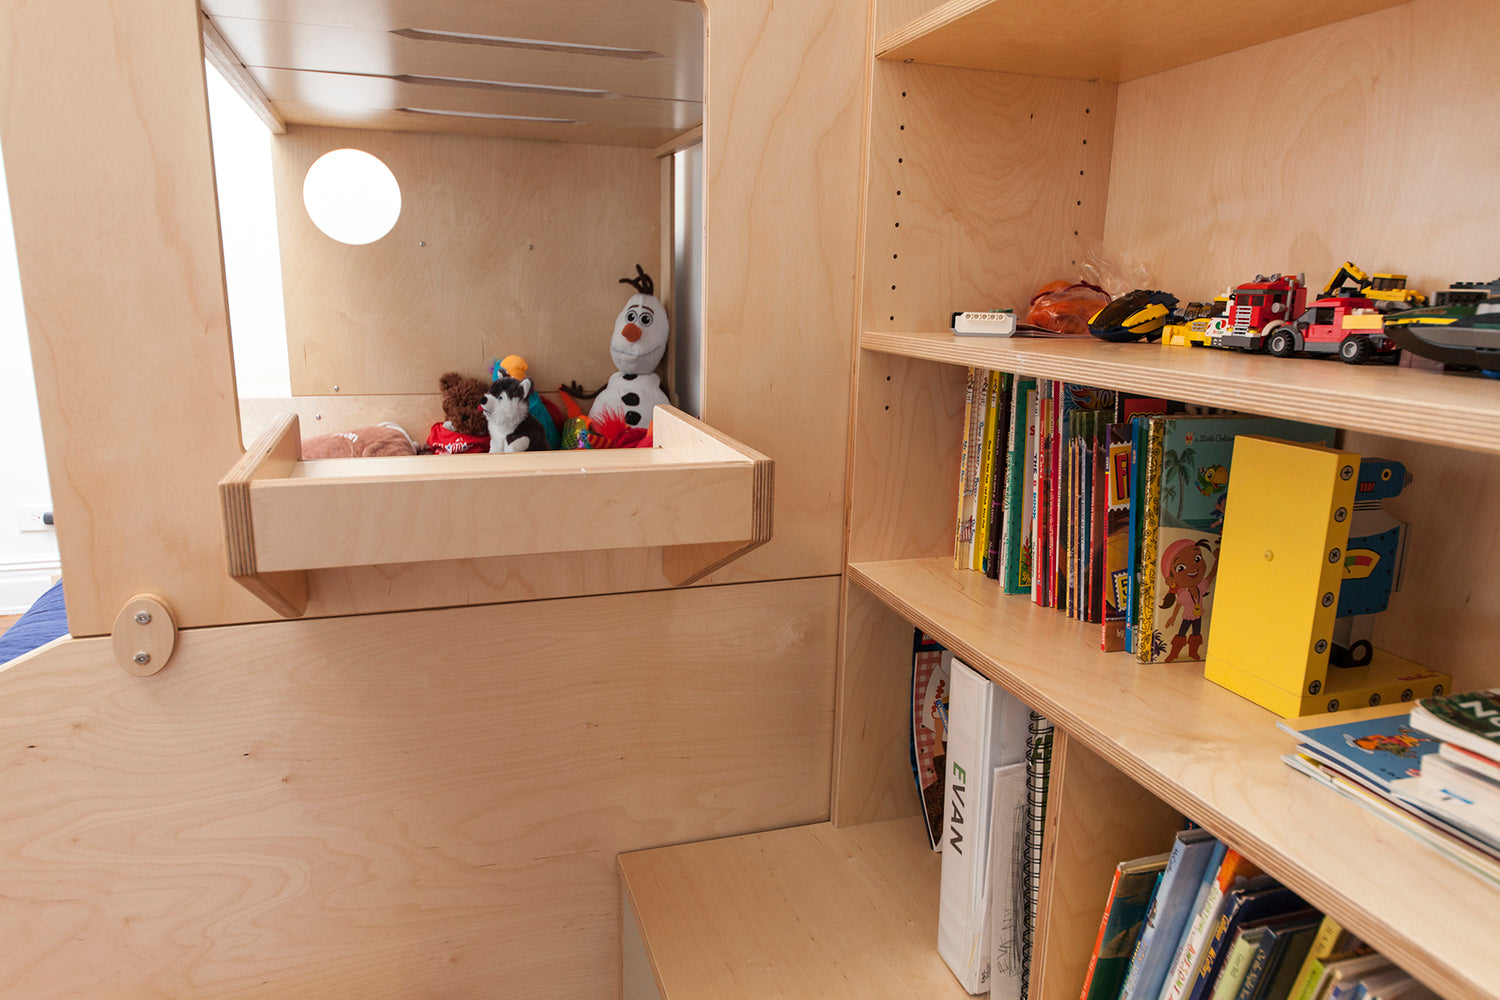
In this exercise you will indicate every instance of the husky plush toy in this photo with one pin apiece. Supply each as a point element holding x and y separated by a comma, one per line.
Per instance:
<point>506,410</point>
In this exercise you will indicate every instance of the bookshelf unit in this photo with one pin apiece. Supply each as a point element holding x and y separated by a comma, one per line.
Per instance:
<point>982,185</point>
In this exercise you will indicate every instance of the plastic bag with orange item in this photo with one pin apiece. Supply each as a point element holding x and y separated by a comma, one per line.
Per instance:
<point>1065,307</point>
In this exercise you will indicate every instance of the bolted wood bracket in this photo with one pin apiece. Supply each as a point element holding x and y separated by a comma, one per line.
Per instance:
<point>144,634</point>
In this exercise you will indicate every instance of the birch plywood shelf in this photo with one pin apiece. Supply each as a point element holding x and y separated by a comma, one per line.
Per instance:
<point>813,911</point>
<point>1109,40</point>
<point>700,497</point>
<point>1449,409</point>
<point>1215,757</point>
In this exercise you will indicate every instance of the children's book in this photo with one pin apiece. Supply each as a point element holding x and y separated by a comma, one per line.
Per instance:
<point>1007,881</point>
<point>1187,482</point>
<point>1168,914</point>
<point>1015,546</point>
<point>994,500</point>
<point>1233,871</point>
<point>1330,939</point>
<point>930,687</point>
<point>1256,899</point>
<point>1242,947</point>
<point>1038,779</point>
<point>1377,750</point>
<point>1067,397</point>
<point>984,482</point>
<point>1124,913</point>
<point>975,401</point>
<point>1039,477</point>
<point>1471,720</point>
<point>1287,942</point>
<point>1116,501</point>
<point>987,728</point>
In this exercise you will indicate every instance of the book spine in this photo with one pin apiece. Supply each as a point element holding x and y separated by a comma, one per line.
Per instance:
<point>958,930</point>
<point>1039,490</point>
<point>1088,977</point>
<point>1038,773</point>
<point>1181,978</point>
<point>1011,505</point>
<point>963,471</point>
<point>1324,944</point>
<point>1148,642</point>
<point>984,484</point>
<point>999,480</point>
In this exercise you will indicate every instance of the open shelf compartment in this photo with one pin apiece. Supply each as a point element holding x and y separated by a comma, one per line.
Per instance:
<point>702,498</point>
<point>1109,40</point>
<point>811,911</point>
<point>1214,757</point>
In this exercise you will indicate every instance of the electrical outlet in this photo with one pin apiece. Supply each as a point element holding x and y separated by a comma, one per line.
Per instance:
<point>32,518</point>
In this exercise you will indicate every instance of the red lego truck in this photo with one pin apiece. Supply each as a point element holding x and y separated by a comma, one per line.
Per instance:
<point>1270,314</point>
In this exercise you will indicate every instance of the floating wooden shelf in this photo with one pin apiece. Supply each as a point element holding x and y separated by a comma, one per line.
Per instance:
<point>1109,40</point>
<point>1452,409</point>
<point>1215,757</point>
<point>699,496</point>
<point>812,911</point>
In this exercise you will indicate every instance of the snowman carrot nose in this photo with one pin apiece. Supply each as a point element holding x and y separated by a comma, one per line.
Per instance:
<point>631,332</point>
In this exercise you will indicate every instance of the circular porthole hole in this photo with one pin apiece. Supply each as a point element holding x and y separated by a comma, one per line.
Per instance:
<point>351,196</point>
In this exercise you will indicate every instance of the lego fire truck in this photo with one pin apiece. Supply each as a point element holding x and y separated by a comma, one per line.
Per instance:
<point>1272,314</point>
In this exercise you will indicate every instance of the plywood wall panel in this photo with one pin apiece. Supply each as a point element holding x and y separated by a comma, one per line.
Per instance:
<point>782,142</point>
<point>978,184</point>
<point>1447,613</point>
<point>425,804</point>
<point>1370,140</point>
<point>112,198</point>
<point>503,247</point>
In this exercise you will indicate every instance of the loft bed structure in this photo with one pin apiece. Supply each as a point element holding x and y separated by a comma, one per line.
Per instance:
<point>665,754</point>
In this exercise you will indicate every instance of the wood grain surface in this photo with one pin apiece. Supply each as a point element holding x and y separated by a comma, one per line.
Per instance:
<point>1110,40</point>
<point>503,247</point>
<point>1215,757</point>
<point>981,186</point>
<point>1383,154</point>
<point>423,804</point>
<point>816,911</point>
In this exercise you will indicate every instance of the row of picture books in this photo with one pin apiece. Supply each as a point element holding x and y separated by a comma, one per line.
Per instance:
<point>981,760</point>
<point>1432,768</point>
<point>1105,505</point>
<point>1201,922</point>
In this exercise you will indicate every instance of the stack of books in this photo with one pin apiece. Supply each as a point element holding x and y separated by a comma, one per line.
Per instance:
<point>1200,922</point>
<point>1433,770</point>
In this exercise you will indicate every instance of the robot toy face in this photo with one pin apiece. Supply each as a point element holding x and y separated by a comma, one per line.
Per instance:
<point>640,337</point>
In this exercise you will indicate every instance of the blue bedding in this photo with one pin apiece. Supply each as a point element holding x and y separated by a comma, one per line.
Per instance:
<point>44,621</point>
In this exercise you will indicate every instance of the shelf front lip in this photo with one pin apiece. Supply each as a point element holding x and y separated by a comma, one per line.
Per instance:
<point>480,516</point>
<point>1124,711</point>
<point>1448,409</point>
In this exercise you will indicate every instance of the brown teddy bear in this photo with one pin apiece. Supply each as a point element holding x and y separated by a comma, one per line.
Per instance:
<point>465,428</point>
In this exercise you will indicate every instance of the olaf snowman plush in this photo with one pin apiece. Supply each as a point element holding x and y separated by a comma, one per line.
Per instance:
<point>636,347</point>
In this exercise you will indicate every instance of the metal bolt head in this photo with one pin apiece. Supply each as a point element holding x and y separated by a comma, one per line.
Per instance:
<point>1333,705</point>
<point>1315,687</point>
<point>335,388</point>
<point>1322,646</point>
<point>143,618</point>
<point>142,658</point>
<point>1346,472</point>
<point>1406,695</point>
<point>1328,599</point>
<point>1375,699</point>
<point>1333,555</point>
<point>1340,514</point>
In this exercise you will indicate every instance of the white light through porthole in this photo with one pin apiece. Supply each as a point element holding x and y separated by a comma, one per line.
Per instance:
<point>351,196</point>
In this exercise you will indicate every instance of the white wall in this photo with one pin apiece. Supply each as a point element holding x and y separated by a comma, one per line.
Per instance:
<point>28,560</point>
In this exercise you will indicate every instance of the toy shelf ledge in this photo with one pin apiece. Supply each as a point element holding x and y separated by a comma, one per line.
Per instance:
<point>1109,40</point>
<point>1215,757</point>
<point>1450,409</point>
<point>700,496</point>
